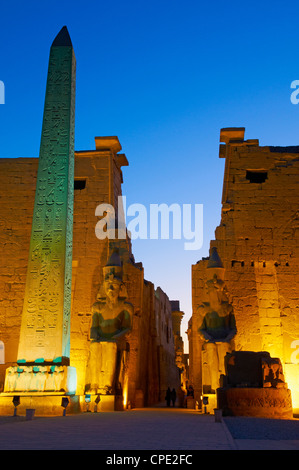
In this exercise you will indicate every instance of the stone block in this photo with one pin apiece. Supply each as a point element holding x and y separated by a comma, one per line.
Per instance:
<point>257,402</point>
<point>243,368</point>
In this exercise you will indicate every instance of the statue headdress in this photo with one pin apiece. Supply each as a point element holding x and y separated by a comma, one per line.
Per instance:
<point>215,265</point>
<point>113,268</point>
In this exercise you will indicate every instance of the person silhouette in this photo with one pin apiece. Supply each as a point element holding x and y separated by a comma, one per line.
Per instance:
<point>173,396</point>
<point>168,397</point>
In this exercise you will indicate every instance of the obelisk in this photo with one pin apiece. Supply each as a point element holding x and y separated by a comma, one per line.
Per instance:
<point>45,328</point>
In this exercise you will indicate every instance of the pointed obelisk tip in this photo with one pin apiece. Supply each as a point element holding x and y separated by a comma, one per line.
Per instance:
<point>62,39</point>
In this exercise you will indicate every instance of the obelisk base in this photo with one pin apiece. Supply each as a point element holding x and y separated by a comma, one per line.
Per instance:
<point>57,404</point>
<point>44,404</point>
<point>40,378</point>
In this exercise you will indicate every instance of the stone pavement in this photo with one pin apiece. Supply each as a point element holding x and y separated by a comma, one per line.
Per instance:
<point>263,434</point>
<point>151,429</point>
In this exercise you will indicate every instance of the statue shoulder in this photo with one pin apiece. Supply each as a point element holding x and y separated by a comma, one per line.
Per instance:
<point>129,307</point>
<point>97,307</point>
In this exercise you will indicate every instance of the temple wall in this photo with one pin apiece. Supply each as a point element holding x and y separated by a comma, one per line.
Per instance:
<point>169,373</point>
<point>181,359</point>
<point>16,201</point>
<point>89,253</point>
<point>257,241</point>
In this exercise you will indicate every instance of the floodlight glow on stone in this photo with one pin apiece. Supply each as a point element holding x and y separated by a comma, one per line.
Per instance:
<point>45,329</point>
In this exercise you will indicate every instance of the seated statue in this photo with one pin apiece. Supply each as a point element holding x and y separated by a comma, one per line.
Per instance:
<point>218,326</point>
<point>111,322</point>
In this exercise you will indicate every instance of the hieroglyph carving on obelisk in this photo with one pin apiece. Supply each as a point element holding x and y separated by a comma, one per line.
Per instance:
<point>45,328</point>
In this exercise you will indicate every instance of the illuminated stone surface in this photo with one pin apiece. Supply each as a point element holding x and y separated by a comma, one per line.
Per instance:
<point>257,240</point>
<point>150,365</point>
<point>254,385</point>
<point>45,329</point>
<point>218,325</point>
<point>111,323</point>
<point>259,402</point>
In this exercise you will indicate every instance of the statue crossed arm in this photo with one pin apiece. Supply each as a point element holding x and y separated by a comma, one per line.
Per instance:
<point>104,328</point>
<point>217,327</point>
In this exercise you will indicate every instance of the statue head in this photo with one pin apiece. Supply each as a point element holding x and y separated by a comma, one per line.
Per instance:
<point>113,287</point>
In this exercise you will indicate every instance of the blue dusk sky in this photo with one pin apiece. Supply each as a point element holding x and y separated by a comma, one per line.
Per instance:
<point>164,76</point>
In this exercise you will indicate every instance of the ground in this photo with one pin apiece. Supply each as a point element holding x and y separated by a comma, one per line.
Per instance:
<point>154,430</point>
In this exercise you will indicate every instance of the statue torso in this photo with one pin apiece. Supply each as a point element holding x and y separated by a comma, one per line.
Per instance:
<point>218,323</point>
<point>107,322</point>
